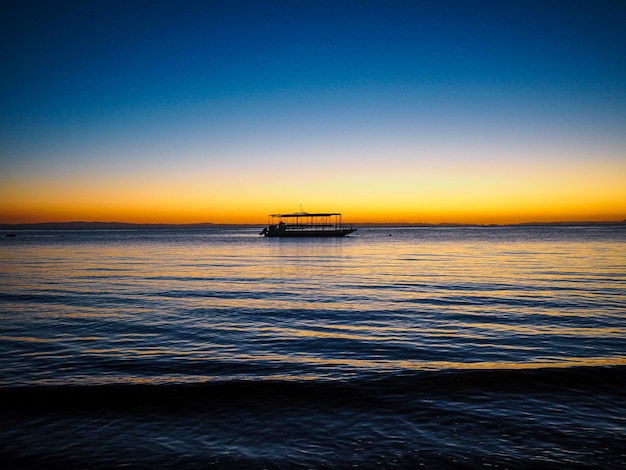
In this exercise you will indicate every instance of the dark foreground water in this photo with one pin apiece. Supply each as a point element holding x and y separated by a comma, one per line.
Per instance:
<point>499,347</point>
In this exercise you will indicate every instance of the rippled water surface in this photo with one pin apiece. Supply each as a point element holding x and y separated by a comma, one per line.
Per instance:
<point>390,348</point>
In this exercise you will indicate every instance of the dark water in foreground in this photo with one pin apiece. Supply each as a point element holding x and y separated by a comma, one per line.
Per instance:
<point>458,347</point>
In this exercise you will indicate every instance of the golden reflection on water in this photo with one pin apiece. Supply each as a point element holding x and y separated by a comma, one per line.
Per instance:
<point>27,339</point>
<point>387,365</point>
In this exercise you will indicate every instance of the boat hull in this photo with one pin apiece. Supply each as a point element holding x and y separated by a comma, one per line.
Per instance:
<point>308,233</point>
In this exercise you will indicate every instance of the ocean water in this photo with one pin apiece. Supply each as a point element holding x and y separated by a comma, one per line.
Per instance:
<point>437,347</point>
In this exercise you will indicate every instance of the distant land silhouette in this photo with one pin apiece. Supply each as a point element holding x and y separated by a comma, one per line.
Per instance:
<point>97,226</point>
<point>135,226</point>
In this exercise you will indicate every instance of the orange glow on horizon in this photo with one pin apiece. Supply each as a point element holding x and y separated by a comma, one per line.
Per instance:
<point>180,209</point>
<point>373,192</point>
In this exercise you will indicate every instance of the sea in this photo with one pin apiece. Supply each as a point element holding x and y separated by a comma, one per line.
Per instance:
<point>392,348</point>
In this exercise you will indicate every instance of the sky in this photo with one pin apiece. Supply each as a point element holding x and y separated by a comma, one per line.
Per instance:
<point>386,111</point>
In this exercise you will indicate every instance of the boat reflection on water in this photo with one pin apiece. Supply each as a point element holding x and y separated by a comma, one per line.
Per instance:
<point>305,224</point>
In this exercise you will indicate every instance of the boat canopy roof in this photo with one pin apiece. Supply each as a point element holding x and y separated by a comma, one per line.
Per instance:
<point>306,214</point>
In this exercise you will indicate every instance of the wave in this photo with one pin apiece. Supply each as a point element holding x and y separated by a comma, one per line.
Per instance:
<point>599,381</point>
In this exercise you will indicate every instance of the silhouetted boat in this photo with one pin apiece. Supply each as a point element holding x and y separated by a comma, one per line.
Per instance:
<point>304,224</point>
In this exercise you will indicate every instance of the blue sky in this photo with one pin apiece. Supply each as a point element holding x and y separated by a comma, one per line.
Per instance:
<point>114,93</point>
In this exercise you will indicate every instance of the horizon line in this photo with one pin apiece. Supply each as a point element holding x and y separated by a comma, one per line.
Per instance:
<point>85,224</point>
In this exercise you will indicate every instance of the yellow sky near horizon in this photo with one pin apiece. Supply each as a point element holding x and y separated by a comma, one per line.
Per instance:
<point>383,190</point>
